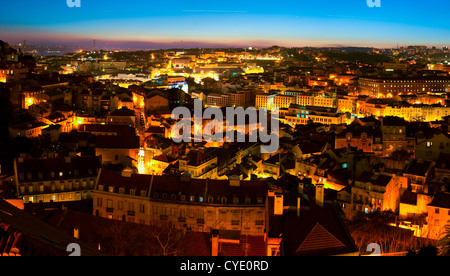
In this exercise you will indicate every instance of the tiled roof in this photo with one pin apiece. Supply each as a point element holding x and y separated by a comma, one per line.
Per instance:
<point>41,169</point>
<point>441,200</point>
<point>25,235</point>
<point>375,179</point>
<point>123,112</point>
<point>164,158</point>
<point>251,246</point>
<point>418,167</point>
<point>196,158</point>
<point>119,129</point>
<point>118,142</point>
<point>409,198</point>
<point>174,185</point>
<point>318,231</point>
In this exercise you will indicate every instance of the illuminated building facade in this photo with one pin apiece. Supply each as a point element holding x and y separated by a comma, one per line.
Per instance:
<point>283,101</point>
<point>237,99</point>
<point>377,192</point>
<point>56,179</point>
<point>390,87</point>
<point>264,101</point>
<point>394,136</point>
<point>360,139</point>
<point>218,100</point>
<point>196,204</point>
<point>302,115</point>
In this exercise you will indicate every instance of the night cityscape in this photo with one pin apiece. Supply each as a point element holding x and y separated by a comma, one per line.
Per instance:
<point>224,129</point>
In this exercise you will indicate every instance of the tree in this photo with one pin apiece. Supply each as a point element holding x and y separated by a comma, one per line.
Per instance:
<point>444,243</point>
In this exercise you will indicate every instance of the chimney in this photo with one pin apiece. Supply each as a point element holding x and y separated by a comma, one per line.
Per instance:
<point>319,194</point>
<point>234,181</point>
<point>215,244</point>
<point>278,205</point>
<point>300,188</point>
<point>76,233</point>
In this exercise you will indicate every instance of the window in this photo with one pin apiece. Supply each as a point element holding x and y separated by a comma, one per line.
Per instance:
<point>142,208</point>
<point>436,211</point>
<point>120,205</point>
<point>155,210</point>
<point>259,222</point>
<point>99,202</point>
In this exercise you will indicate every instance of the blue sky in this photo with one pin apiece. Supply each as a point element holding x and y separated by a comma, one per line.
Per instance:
<point>235,23</point>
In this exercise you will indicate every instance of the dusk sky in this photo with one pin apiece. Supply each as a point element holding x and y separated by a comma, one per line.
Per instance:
<point>262,23</point>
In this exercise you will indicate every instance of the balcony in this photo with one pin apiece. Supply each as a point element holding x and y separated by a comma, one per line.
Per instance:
<point>131,213</point>
<point>181,219</point>
<point>163,217</point>
<point>110,210</point>
<point>200,221</point>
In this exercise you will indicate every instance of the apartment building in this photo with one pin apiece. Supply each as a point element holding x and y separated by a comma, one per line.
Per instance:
<point>56,179</point>
<point>186,203</point>
<point>388,87</point>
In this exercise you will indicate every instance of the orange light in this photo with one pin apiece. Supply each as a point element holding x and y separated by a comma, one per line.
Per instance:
<point>390,95</point>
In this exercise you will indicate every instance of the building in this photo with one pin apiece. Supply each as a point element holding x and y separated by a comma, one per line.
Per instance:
<point>388,87</point>
<point>303,115</point>
<point>430,145</point>
<point>199,164</point>
<point>237,99</point>
<point>23,234</point>
<point>394,136</point>
<point>418,172</point>
<point>29,130</point>
<point>438,215</point>
<point>283,101</point>
<point>306,225</point>
<point>159,164</point>
<point>91,99</point>
<point>156,100</point>
<point>264,101</point>
<point>56,179</point>
<point>377,192</point>
<point>12,74</point>
<point>123,116</point>
<point>358,137</point>
<point>218,100</point>
<point>118,149</point>
<point>323,101</point>
<point>345,105</point>
<point>196,204</point>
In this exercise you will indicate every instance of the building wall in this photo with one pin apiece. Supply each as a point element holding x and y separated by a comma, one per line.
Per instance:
<point>156,102</point>
<point>437,219</point>
<point>249,219</point>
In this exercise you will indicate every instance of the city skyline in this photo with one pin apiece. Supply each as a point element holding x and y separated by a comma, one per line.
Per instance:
<point>135,24</point>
